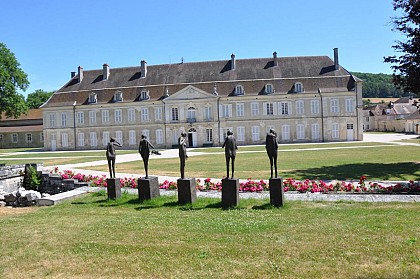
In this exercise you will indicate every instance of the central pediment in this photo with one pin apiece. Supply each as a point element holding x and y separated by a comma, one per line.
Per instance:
<point>190,93</point>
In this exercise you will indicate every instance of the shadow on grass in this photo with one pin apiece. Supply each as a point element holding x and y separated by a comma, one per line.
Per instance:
<point>377,171</point>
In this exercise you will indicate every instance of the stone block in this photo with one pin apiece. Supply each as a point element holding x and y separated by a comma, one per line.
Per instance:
<point>187,191</point>
<point>230,192</point>
<point>276,191</point>
<point>113,188</point>
<point>148,188</point>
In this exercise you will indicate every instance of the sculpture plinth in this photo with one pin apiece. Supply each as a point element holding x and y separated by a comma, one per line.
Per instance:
<point>187,191</point>
<point>276,191</point>
<point>230,192</point>
<point>113,188</point>
<point>148,188</point>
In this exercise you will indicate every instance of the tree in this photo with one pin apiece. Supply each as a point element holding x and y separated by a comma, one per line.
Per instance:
<point>37,98</point>
<point>407,66</point>
<point>11,78</point>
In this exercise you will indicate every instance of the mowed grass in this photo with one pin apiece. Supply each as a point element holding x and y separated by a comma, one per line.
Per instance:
<point>384,162</point>
<point>92,237</point>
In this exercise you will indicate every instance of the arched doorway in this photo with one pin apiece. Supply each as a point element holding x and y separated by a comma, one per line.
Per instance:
<point>192,137</point>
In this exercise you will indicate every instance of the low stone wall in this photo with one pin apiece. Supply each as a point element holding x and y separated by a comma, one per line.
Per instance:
<point>54,184</point>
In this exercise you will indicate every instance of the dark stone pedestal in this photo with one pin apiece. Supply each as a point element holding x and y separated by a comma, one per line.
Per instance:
<point>187,191</point>
<point>113,188</point>
<point>276,191</point>
<point>148,188</point>
<point>230,192</point>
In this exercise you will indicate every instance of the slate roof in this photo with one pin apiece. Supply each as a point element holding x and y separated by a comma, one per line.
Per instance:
<point>313,71</point>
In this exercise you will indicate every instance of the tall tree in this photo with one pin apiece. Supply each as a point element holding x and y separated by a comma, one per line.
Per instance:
<point>12,78</point>
<point>407,66</point>
<point>37,98</point>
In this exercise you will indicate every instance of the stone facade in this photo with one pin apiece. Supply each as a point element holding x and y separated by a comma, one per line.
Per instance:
<point>305,99</point>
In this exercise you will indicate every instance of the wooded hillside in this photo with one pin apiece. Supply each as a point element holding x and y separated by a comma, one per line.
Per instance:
<point>378,86</point>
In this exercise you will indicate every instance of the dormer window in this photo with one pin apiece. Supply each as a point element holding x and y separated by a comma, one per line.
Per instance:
<point>239,90</point>
<point>92,98</point>
<point>298,87</point>
<point>118,97</point>
<point>144,95</point>
<point>269,88</point>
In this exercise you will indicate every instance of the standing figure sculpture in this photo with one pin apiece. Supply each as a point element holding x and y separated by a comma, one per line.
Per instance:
<point>144,150</point>
<point>110,156</point>
<point>272,147</point>
<point>182,146</point>
<point>230,152</point>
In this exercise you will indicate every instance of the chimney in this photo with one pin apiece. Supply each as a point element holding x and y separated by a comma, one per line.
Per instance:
<point>232,62</point>
<point>143,68</point>
<point>276,62</point>
<point>336,64</point>
<point>105,72</point>
<point>72,74</point>
<point>80,72</point>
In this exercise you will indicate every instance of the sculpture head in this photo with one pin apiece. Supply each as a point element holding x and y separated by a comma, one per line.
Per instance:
<point>229,133</point>
<point>143,137</point>
<point>183,134</point>
<point>112,139</point>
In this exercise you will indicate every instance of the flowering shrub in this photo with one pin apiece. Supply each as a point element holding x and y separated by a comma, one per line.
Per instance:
<point>290,184</point>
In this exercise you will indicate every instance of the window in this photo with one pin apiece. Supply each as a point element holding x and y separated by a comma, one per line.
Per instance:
<point>119,136</point>
<point>144,95</point>
<point>298,87</point>
<point>118,116</point>
<point>269,88</point>
<point>41,137</point>
<point>64,119</point>
<point>80,117</point>
<point>240,110</point>
<point>29,138</point>
<point>105,138</point>
<point>240,131</point>
<point>1,137</point>
<point>145,114</point>
<point>80,139</point>
<point>334,105</point>
<point>146,133</point>
<point>300,131</point>
<point>268,109</point>
<point>239,90</point>
<point>159,136</point>
<point>285,108</point>
<point>191,115</point>
<point>314,106</point>
<point>131,137</point>
<point>255,109</point>
<point>92,98</point>
<point>131,115</point>
<point>226,110</point>
<point>92,117</point>
<point>158,113</point>
<point>350,126</point>
<point>64,140</point>
<point>349,105</point>
<point>335,132</point>
<point>208,115</point>
<point>300,107</point>
<point>51,119</point>
<point>105,116</point>
<point>93,139</point>
<point>175,115</point>
<point>209,135</point>
<point>285,132</point>
<point>255,133</point>
<point>14,138</point>
<point>118,97</point>
<point>315,131</point>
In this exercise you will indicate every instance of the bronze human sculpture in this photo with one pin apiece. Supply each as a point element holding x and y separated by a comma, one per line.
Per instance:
<point>111,155</point>
<point>144,150</point>
<point>182,146</point>
<point>272,146</point>
<point>230,152</point>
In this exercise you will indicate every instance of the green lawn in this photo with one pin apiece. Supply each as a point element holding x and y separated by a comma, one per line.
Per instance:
<point>391,162</point>
<point>94,238</point>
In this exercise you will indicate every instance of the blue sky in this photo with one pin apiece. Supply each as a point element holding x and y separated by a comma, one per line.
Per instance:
<point>52,38</point>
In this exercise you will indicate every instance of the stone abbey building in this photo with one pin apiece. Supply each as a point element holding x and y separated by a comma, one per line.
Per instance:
<point>305,99</point>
